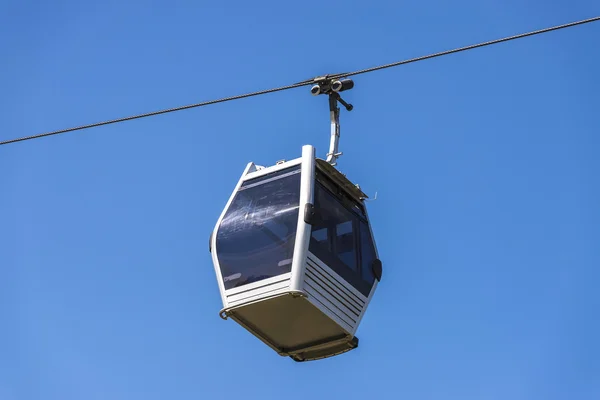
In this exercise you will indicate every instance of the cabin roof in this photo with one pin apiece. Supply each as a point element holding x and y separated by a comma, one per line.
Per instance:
<point>341,180</point>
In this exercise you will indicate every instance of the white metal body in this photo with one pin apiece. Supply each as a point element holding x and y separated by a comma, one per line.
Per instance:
<point>310,281</point>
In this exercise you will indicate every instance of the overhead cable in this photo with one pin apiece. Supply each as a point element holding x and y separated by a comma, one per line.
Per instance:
<point>304,83</point>
<point>473,46</point>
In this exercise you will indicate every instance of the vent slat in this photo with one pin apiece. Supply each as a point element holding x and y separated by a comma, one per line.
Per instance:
<point>257,293</point>
<point>332,305</point>
<point>352,307</point>
<point>332,293</point>
<point>314,265</point>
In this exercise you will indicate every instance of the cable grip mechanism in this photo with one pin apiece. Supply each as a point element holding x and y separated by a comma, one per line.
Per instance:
<point>331,85</point>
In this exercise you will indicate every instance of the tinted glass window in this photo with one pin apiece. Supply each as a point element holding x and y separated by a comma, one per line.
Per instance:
<point>368,255</point>
<point>340,194</point>
<point>337,239</point>
<point>345,248</point>
<point>255,240</point>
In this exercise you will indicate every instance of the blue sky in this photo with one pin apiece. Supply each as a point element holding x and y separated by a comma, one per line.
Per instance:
<point>485,164</point>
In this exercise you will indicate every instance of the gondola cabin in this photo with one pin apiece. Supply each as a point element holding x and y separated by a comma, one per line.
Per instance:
<point>295,258</point>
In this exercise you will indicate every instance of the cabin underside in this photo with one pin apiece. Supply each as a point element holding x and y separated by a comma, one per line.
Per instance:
<point>294,327</point>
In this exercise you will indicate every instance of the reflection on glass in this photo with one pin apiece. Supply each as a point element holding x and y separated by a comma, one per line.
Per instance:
<point>256,237</point>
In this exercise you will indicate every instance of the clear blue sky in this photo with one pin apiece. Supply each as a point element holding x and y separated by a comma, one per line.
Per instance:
<point>485,163</point>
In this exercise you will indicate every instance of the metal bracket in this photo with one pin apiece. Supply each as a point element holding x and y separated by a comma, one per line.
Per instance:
<point>331,86</point>
<point>368,199</point>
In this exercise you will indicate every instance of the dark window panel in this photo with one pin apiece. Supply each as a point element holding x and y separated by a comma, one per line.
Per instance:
<point>256,237</point>
<point>336,238</point>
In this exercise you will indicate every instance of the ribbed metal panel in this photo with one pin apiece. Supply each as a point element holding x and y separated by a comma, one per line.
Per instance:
<point>270,287</point>
<point>332,293</point>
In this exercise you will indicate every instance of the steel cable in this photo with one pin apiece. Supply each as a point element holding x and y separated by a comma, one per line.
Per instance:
<point>305,83</point>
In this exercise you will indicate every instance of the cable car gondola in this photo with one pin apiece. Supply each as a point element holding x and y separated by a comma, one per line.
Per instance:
<point>293,250</point>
